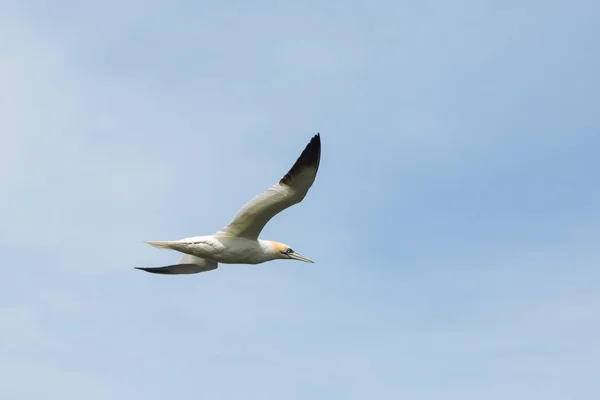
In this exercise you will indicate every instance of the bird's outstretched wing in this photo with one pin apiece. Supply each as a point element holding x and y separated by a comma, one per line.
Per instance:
<point>188,264</point>
<point>290,190</point>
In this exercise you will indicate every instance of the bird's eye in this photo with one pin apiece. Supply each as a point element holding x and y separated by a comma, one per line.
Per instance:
<point>289,251</point>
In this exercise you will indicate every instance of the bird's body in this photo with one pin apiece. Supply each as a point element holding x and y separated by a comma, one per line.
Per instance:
<point>225,249</point>
<point>238,242</point>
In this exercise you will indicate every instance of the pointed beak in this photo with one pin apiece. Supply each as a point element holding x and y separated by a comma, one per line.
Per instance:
<point>300,257</point>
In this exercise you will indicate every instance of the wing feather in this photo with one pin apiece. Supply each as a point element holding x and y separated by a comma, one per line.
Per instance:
<point>188,264</point>
<point>290,190</point>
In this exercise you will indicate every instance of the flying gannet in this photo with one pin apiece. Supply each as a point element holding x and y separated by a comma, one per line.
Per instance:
<point>238,242</point>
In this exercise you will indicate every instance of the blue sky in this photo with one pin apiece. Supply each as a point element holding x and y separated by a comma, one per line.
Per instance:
<point>454,221</point>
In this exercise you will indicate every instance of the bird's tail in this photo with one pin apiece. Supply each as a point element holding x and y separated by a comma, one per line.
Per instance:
<point>165,245</point>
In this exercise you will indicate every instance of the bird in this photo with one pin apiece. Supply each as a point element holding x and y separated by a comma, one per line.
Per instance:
<point>239,242</point>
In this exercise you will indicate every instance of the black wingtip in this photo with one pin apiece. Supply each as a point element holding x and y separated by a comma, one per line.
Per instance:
<point>310,158</point>
<point>155,270</point>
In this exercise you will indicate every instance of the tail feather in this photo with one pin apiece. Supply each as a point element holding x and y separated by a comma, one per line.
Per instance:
<point>163,245</point>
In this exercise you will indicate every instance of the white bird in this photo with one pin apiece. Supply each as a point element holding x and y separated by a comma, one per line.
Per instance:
<point>238,242</point>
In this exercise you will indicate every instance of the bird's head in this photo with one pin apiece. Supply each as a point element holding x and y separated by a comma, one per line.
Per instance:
<point>285,252</point>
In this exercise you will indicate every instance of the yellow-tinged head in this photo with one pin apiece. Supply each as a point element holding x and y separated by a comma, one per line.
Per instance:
<point>285,252</point>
